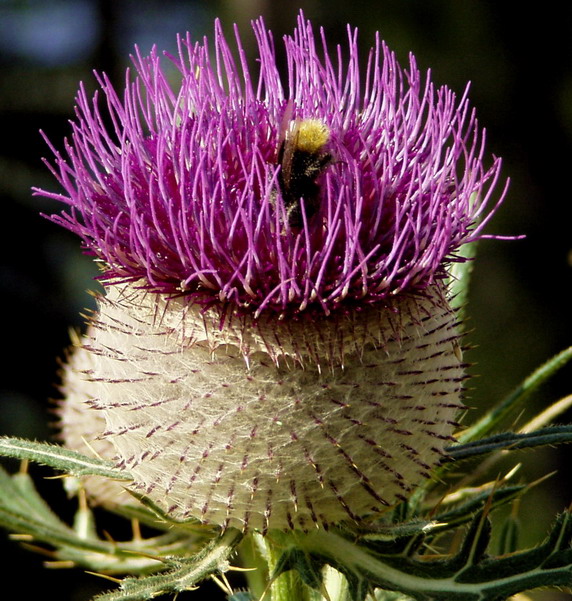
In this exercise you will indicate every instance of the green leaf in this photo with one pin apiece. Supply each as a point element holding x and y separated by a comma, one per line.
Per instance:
<point>405,538</point>
<point>241,596</point>
<point>18,497</point>
<point>512,441</point>
<point>60,458</point>
<point>23,511</point>
<point>470,574</point>
<point>310,569</point>
<point>182,574</point>
<point>465,512</point>
<point>150,510</point>
<point>509,534</point>
<point>516,398</point>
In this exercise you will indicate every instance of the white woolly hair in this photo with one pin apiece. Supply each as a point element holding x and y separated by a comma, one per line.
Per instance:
<point>266,424</point>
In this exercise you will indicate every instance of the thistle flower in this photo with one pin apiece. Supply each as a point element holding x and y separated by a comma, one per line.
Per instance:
<point>275,348</point>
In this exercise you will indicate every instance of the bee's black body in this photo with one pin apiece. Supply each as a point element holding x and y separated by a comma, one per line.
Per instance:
<point>301,163</point>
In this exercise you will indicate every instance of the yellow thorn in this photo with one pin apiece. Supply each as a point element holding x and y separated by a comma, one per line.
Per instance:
<point>82,500</point>
<point>223,583</point>
<point>548,415</point>
<point>21,537</point>
<point>136,528</point>
<point>104,576</point>
<point>88,445</point>
<point>59,565</point>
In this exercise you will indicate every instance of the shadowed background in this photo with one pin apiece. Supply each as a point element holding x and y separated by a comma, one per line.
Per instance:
<point>520,66</point>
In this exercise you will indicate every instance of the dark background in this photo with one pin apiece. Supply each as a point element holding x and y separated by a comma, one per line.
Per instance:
<point>519,63</point>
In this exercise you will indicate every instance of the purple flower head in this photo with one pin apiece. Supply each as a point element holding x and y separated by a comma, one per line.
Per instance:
<point>339,186</point>
<point>275,348</point>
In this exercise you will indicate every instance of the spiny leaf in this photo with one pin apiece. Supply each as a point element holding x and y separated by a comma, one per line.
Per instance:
<point>468,575</point>
<point>181,575</point>
<point>509,534</point>
<point>465,512</point>
<point>59,458</point>
<point>309,568</point>
<point>493,418</point>
<point>18,496</point>
<point>512,441</point>
<point>23,511</point>
<point>405,538</point>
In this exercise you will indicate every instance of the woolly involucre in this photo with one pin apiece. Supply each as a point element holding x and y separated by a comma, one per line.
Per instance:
<point>265,424</point>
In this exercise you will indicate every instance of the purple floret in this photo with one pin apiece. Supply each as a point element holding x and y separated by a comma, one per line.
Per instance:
<point>176,186</point>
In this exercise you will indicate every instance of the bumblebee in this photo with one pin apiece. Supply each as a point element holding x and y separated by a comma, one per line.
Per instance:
<point>302,160</point>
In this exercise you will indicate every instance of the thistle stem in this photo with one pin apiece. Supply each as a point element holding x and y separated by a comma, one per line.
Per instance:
<point>288,585</point>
